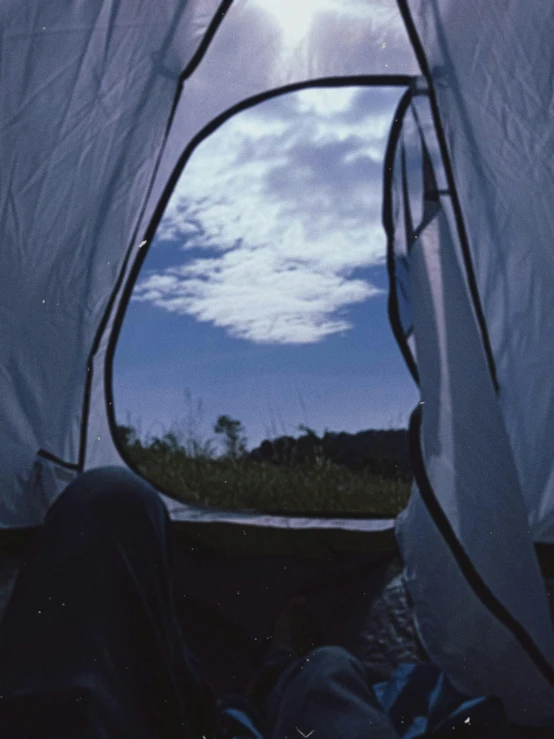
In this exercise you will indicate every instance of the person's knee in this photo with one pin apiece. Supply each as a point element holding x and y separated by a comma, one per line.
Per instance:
<point>112,491</point>
<point>329,661</point>
<point>331,654</point>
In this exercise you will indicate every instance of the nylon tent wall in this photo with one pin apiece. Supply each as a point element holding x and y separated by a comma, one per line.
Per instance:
<point>458,549</point>
<point>482,456</point>
<point>101,105</point>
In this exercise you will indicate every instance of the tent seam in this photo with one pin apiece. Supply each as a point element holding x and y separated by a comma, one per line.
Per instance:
<point>213,125</point>
<point>462,559</point>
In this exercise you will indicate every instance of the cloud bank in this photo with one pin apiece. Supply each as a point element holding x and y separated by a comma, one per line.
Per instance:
<point>277,215</point>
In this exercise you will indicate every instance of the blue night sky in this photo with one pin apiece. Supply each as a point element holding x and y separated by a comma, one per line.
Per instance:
<point>264,294</point>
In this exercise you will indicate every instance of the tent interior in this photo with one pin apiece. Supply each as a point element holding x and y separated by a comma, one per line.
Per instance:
<point>232,580</point>
<point>465,576</point>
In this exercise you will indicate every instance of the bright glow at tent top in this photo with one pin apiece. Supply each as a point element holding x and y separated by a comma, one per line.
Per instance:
<point>295,16</point>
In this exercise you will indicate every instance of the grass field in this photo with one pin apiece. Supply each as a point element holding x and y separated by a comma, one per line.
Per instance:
<point>235,482</point>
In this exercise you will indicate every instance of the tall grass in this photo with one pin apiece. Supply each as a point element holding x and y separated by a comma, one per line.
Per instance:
<point>190,469</point>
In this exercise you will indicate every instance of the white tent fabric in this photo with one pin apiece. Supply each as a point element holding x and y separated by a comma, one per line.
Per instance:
<point>90,139</point>
<point>476,463</point>
<point>469,479</point>
<point>494,94</point>
<point>86,95</point>
<point>462,557</point>
<point>99,102</point>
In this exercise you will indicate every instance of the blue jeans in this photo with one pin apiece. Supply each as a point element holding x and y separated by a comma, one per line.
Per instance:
<point>326,693</point>
<point>91,646</point>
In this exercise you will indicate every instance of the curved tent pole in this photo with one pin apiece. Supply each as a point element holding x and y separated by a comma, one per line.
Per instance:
<point>457,208</point>
<point>191,66</point>
<point>363,80</point>
<point>388,225</point>
<point>471,575</point>
<point>216,21</point>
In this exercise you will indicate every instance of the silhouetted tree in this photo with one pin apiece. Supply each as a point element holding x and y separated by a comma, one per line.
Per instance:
<point>127,435</point>
<point>234,438</point>
<point>168,444</point>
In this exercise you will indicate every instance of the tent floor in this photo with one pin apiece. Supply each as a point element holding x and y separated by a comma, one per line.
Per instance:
<point>228,593</point>
<point>360,600</point>
<point>231,581</point>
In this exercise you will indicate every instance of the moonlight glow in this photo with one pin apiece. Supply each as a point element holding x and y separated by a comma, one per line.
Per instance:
<point>294,16</point>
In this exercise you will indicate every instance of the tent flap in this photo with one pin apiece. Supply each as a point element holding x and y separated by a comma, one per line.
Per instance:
<point>464,536</point>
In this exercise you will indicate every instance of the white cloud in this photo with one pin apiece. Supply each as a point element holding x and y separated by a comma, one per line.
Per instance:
<point>285,201</point>
<point>257,295</point>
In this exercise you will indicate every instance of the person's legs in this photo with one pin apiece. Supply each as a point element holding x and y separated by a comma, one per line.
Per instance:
<point>90,644</point>
<point>304,688</point>
<point>326,693</point>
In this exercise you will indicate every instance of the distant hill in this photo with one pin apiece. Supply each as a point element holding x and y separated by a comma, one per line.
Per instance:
<point>385,452</point>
